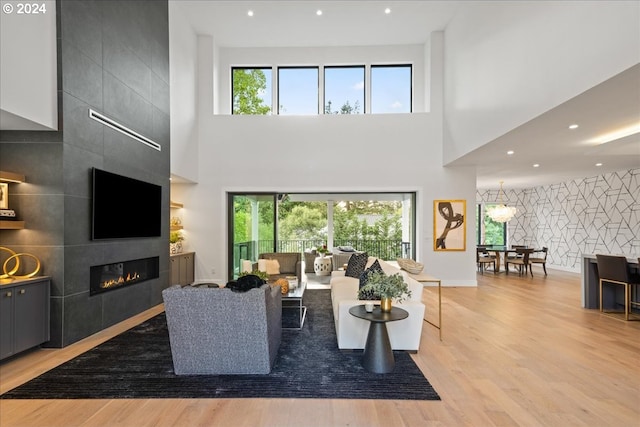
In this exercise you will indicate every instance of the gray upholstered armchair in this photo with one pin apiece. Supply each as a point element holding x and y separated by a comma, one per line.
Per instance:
<point>217,331</point>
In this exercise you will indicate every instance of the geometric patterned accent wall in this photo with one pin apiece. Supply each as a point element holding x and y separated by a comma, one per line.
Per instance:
<point>593,215</point>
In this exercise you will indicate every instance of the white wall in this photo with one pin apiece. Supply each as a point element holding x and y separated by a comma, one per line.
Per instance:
<point>28,68</point>
<point>333,153</point>
<point>183,92</point>
<point>395,153</point>
<point>508,62</point>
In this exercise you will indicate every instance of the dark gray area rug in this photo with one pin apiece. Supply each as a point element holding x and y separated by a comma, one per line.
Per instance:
<point>137,364</point>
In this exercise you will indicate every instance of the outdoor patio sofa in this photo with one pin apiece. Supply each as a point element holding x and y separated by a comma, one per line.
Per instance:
<point>290,264</point>
<point>352,332</point>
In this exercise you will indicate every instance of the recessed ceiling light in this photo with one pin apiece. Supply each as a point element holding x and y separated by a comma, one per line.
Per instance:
<point>318,12</point>
<point>250,13</point>
<point>573,126</point>
<point>510,152</point>
<point>387,11</point>
<point>536,165</point>
<point>598,164</point>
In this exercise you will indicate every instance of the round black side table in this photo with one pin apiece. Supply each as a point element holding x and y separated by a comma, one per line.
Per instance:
<point>378,355</point>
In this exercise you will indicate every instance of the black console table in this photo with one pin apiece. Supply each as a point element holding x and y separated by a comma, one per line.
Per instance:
<point>378,355</point>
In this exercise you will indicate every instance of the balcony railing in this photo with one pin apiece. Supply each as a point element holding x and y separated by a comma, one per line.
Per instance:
<point>383,249</point>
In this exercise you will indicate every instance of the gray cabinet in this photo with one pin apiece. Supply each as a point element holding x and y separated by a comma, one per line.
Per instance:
<point>24,315</point>
<point>182,268</point>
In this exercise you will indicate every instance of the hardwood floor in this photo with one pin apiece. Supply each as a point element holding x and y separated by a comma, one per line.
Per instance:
<point>516,351</point>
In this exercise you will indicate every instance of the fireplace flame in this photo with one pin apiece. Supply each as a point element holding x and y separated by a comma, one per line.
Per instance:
<point>119,281</point>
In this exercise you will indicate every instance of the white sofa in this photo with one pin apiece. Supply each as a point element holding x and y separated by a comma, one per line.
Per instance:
<point>352,331</point>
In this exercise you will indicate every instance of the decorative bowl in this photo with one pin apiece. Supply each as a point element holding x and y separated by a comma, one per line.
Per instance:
<point>410,265</point>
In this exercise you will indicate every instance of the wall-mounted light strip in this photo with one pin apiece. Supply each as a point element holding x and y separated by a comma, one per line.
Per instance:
<point>618,134</point>
<point>123,129</point>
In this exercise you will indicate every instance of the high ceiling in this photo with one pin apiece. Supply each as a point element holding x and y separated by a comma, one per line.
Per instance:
<point>561,154</point>
<point>296,24</point>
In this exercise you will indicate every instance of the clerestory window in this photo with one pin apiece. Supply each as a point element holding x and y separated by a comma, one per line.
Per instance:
<point>297,90</point>
<point>344,90</point>
<point>390,89</point>
<point>251,92</point>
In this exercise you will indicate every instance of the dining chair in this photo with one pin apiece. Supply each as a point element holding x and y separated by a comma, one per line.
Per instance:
<point>483,258</point>
<point>542,259</point>
<point>521,260</point>
<point>512,254</point>
<point>614,270</point>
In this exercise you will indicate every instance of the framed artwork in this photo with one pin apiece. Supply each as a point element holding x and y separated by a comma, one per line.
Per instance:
<point>449,227</point>
<point>4,195</point>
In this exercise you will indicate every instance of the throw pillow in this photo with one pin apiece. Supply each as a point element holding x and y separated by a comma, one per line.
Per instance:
<point>356,265</point>
<point>375,268</point>
<point>246,266</point>
<point>364,278</point>
<point>273,266</point>
<point>368,295</point>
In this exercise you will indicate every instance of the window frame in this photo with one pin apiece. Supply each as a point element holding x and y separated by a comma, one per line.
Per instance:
<point>480,235</point>
<point>287,67</point>
<point>368,70</point>
<point>403,65</point>
<point>266,67</point>
<point>364,89</point>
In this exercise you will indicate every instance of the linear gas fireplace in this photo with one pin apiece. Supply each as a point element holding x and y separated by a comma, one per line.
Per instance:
<point>108,277</point>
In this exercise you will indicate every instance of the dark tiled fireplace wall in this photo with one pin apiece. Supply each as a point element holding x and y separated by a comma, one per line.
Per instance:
<point>113,57</point>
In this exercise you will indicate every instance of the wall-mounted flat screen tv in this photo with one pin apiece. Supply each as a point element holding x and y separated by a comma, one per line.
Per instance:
<point>124,207</point>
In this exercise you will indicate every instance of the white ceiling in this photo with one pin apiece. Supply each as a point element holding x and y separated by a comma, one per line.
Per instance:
<point>562,154</point>
<point>295,23</point>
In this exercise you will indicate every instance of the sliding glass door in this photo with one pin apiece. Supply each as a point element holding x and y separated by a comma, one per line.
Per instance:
<point>382,224</point>
<point>252,228</point>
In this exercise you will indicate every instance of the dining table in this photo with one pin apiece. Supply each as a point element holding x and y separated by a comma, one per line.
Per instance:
<point>505,250</point>
<point>497,250</point>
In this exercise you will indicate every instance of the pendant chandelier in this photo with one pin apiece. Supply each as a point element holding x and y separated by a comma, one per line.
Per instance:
<point>501,212</point>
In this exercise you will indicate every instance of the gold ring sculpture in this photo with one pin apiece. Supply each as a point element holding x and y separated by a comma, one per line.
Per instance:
<point>16,257</point>
<point>6,274</point>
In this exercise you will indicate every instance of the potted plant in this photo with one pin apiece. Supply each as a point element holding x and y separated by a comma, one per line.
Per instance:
<point>175,242</point>
<point>261,274</point>
<point>322,251</point>
<point>387,288</point>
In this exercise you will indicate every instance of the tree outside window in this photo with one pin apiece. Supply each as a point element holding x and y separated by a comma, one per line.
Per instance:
<point>495,233</point>
<point>251,91</point>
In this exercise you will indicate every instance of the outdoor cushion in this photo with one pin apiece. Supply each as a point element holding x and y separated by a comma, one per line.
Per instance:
<point>273,266</point>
